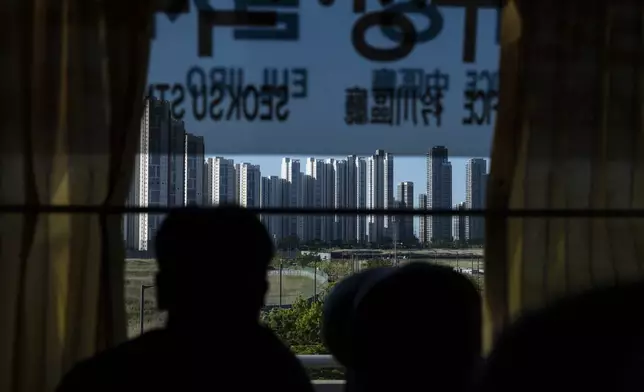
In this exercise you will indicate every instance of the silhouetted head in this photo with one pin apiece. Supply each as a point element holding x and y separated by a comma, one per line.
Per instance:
<point>211,261</point>
<point>421,324</point>
<point>338,327</point>
<point>588,342</point>
<point>407,328</point>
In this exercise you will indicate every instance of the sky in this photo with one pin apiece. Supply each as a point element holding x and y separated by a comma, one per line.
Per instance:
<point>315,126</point>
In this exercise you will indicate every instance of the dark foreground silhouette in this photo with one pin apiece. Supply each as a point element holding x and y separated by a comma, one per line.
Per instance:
<point>590,342</point>
<point>212,281</point>
<point>405,329</point>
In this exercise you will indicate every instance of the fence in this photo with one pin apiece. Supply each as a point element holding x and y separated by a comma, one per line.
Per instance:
<point>320,277</point>
<point>287,293</point>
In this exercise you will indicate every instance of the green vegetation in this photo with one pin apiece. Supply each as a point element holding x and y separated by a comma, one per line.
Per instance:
<point>377,263</point>
<point>336,269</point>
<point>299,328</point>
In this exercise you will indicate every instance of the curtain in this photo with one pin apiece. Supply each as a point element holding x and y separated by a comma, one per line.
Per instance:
<point>569,135</point>
<point>74,72</point>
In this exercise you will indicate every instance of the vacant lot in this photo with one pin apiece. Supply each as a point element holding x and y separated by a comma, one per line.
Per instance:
<point>141,272</point>
<point>465,263</point>
<point>292,288</point>
<point>137,273</point>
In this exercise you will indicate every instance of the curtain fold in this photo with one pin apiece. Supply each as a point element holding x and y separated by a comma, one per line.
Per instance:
<point>569,135</point>
<point>75,71</point>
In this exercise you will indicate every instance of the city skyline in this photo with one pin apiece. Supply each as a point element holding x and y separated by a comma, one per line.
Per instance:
<point>459,186</point>
<point>173,170</point>
<point>472,196</point>
<point>271,166</point>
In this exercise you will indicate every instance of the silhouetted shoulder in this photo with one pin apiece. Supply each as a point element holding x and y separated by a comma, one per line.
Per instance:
<point>280,360</point>
<point>119,368</point>
<point>585,342</point>
<point>254,359</point>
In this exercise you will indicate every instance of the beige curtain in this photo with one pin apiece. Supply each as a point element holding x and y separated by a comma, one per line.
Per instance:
<point>73,74</point>
<point>569,135</point>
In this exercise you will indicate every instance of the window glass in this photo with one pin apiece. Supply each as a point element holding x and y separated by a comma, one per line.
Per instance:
<point>325,110</point>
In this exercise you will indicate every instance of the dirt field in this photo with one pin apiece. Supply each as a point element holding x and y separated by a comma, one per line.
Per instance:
<point>141,272</point>
<point>292,288</point>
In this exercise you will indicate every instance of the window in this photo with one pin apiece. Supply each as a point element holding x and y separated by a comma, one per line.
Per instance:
<point>314,251</point>
<point>155,171</point>
<point>155,196</point>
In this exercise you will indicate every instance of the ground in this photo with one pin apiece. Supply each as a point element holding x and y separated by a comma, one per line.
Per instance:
<point>292,288</point>
<point>433,253</point>
<point>463,263</point>
<point>137,273</point>
<point>141,272</point>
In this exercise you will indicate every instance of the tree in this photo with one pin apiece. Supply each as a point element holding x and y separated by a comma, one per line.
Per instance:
<point>304,260</point>
<point>335,269</point>
<point>298,325</point>
<point>299,328</point>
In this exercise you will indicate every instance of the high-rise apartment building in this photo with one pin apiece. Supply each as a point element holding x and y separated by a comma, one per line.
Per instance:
<point>328,189</point>
<point>439,194</point>
<point>459,224</point>
<point>405,199</point>
<point>176,155</point>
<point>273,193</point>
<point>221,181</point>
<point>194,170</point>
<point>312,199</point>
<point>377,195</point>
<point>237,167</point>
<point>307,183</point>
<point>361,200</point>
<point>339,200</point>
<point>475,192</point>
<point>291,173</point>
<point>320,196</point>
<point>422,221</point>
<point>388,190</point>
<point>250,178</point>
<point>159,172</point>
<point>351,199</point>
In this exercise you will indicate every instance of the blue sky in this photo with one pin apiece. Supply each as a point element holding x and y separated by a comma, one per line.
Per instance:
<point>315,126</point>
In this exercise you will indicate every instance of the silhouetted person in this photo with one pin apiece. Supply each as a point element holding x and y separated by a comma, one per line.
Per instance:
<point>338,327</point>
<point>413,328</point>
<point>589,342</point>
<point>212,281</point>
